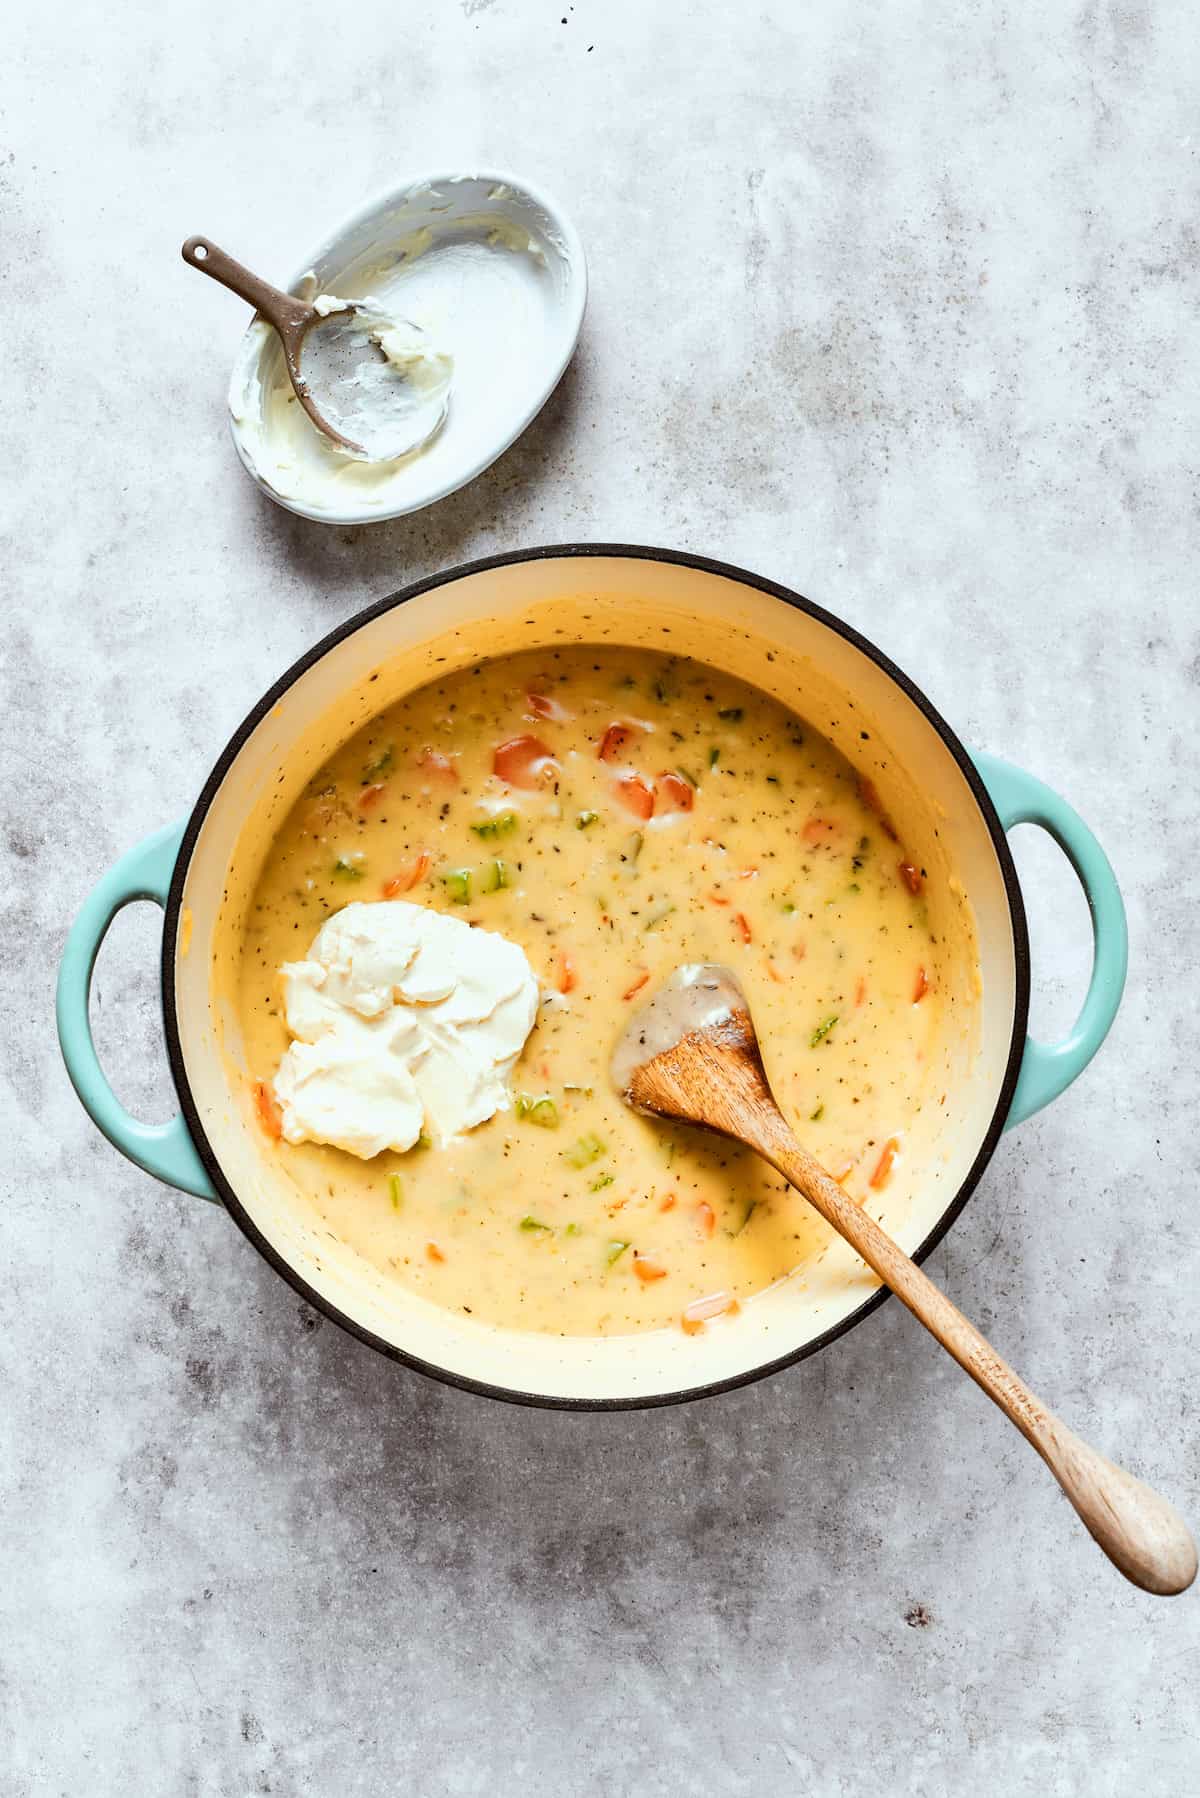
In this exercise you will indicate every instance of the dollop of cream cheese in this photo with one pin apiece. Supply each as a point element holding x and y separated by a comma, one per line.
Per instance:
<point>404,1020</point>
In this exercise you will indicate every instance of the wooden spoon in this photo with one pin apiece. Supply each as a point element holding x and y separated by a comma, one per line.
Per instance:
<point>691,1053</point>
<point>337,341</point>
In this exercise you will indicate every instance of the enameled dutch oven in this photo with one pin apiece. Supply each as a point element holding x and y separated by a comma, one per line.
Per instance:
<point>203,871</point>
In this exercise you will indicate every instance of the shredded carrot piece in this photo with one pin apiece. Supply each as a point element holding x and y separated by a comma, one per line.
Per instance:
<point>434,762</point>
<point>883,1166</point>
<point>748,874</point>
<point>632,991</point>
<point>371,796</point>
<point>267,1108</point>
<point>523,761</point>
<point>614,740</point>
<point>776,976</point>
<point>911,877</point>
<point>434,1253</point>
<point>706,1218</point>
<point>635,795</point>
<point>799,950</point>
<point>647,1268</point>
<point>716,898</point>
<point>870,798</point>
<point>714,1304</point>
<point>819,830</point>
<point>674,793</point>
<point>668,1203</point>
<point>404,883</point>
<point>567,979</point>
<point>860,991</point>
<point>542,706</point>
<point>743,926</point>
<point>844,1173</point>
<point>921,987</point>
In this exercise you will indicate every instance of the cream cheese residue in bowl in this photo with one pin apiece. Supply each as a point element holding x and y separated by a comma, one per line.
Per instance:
<point>485,284</point>
<point>383,382</point>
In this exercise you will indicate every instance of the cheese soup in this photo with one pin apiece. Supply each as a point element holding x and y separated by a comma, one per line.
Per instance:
<point>614,813</point>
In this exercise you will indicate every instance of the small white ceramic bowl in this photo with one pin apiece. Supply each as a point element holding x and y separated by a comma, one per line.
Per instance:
<point>466,207</point>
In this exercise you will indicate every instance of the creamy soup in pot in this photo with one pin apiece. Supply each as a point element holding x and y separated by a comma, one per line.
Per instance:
<point>614,813</point>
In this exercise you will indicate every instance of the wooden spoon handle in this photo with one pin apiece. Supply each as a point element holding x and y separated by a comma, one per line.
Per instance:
<point>287,314</point>
<point>1138,1530</point>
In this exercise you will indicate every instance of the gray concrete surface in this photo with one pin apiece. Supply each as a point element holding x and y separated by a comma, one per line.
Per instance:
<point>896,303</point>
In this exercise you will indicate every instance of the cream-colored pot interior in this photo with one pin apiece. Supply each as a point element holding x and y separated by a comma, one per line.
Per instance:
<point>781,648</point>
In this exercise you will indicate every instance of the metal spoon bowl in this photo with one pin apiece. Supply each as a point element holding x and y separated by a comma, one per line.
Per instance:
<point>366,380</point>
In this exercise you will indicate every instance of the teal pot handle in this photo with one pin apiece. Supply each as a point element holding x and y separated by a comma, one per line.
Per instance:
<point>1047,1069</point>
<point>165,1150</point>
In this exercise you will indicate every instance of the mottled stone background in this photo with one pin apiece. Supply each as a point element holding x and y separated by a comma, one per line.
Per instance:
<point>894,302</point>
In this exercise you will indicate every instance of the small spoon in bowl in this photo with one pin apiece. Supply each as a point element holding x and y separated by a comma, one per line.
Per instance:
<point>376,386</point>
<point>691,1053</point>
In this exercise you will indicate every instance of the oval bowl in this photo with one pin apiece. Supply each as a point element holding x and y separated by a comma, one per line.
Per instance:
<point>953,809</point>
<point>453,204</point>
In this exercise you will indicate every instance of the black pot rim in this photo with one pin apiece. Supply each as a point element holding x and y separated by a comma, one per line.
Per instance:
<point>582,551</point>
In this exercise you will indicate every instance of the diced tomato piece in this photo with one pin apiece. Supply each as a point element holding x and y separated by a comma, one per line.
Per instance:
<point>869,795</point>
<point>412,875</point>
<point>742,925</point>
<point>883,1167</point>
<point>631,992</point>
<point>522,761</point>
<point>911,877</point>
<point>267,1109</point>
<point>542,706</point>
<point>614,740</point>
<point>371,796</point>
<point>635,795</point>
<point>674,793</point>
<point>706,1218</point>
<point>566,979</point>
<point>647,1268</point>
<point>921,987</point>
<point>437,766</point>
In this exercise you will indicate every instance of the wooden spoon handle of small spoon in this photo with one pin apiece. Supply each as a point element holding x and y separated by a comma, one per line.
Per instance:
<point>288,315</point>
<point>717,1079</point>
